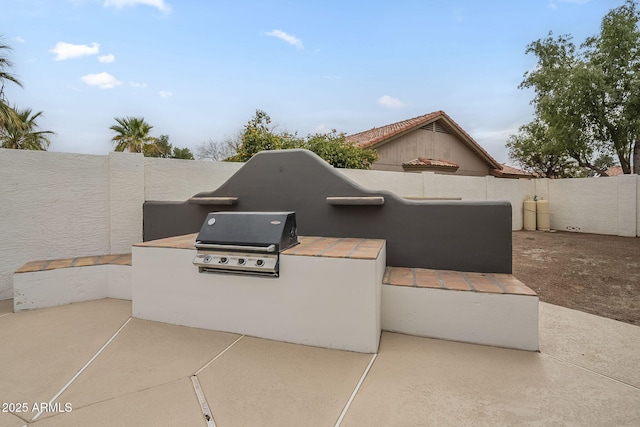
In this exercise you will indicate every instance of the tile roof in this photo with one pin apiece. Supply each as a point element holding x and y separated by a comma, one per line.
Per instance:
<point>378,136</point>
<point>424,162</point>
<point>511,172</point>
<point>373,136</point>
<point>615,171</point>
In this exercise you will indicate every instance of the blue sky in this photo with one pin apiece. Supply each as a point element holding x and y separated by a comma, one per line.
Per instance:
<point>198,70</point>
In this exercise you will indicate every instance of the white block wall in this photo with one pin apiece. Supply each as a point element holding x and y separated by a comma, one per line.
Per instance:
<point>481,188</point>
<point>598,205</point>
<point>402,184</point>
<point>52,205</point>
<point>443,186</point>
<point>173,180</point>
<point>126,196</point>
<point>62,205</point>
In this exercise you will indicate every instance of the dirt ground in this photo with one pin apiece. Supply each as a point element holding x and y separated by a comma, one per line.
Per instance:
<point>588,272</point>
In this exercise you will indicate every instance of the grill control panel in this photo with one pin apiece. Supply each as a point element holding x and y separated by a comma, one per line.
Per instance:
<point>236,262</point>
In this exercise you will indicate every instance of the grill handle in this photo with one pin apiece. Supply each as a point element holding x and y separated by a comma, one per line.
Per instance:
<point>270,248</point>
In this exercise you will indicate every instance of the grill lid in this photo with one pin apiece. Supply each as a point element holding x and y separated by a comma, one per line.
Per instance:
<point>248,231</point>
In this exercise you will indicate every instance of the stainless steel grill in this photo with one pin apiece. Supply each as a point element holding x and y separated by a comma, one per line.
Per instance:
<point>245,242</point>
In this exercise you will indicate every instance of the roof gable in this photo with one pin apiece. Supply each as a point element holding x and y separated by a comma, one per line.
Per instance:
<point>376,137</point>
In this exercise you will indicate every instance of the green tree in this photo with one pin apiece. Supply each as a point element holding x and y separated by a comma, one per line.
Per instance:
<point>259,135</point>
<point>182,153</point>
<point>334,148</point>
<point>161,147</point>
<point>536,151</point>
<point>605,161</point>
<point>589,98</point>
<point>132,134</point>
<point>7,113</point>
<point>21,133</point>
<point>614,59</point>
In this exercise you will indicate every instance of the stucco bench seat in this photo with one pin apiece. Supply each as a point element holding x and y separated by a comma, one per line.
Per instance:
<point>48,283</point>
<point>480,308</point>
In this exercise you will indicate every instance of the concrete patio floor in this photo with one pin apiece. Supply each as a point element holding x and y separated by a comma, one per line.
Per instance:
<point>91,364</point>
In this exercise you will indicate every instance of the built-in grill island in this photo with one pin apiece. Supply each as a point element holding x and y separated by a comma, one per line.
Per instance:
<point>315,277</point>
<point>245,242</point>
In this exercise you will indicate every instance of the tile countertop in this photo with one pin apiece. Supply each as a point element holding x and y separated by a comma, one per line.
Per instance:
<point>331,247</point>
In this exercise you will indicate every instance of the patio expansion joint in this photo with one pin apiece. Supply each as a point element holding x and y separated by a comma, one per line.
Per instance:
<point>355,390</point>
<point>195,382</point>
<point>633,387</point>
<point>202,400</point>
<point>68,384</point>
<point>195,374</point>
<point>120,396</point>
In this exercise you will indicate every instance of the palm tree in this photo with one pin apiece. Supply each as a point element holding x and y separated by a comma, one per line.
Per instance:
<point>7,113</point>
<point>132,134</point>
<point>21,133</point>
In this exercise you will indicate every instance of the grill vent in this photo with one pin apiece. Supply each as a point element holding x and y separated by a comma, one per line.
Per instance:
<point>436,126</point>
<point>440,127</point>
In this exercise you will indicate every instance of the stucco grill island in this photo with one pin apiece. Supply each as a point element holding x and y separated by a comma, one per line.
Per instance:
<point>365,261</point>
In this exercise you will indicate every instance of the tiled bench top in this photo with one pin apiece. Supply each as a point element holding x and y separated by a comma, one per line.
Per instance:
<point>455,280</point>
<point>331,247</point>
<point>186,241</point>
<point>118,259</point>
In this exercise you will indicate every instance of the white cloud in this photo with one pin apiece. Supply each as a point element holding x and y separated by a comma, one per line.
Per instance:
<point>105,59</point>
<point>119,4</point>
<point>388,101</point>
<point>137,84</point>
<point>553,3</point>
<point>292,40</point>
<point>102,80</point>
<point>67,50</point>
<point>18,39</point>
<point>165,94</point>
<point>322,129</point>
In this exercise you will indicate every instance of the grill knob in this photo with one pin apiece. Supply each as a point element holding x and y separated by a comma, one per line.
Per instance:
<point>241,261</point>
<point>223,260</point>
<point>260,263</point>
<point>207,259</point>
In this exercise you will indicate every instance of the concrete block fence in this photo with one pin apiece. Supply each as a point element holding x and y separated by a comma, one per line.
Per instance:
<point>63,205</point>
